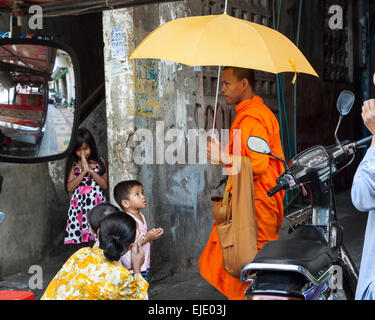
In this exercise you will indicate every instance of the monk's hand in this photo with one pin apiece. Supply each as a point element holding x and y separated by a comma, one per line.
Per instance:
<point>214,150</point>
<point>368,116</point>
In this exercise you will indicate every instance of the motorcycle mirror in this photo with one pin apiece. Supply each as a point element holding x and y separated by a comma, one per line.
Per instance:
<point>258,145</point>
<point>32,128</point>
<point>345,102</point>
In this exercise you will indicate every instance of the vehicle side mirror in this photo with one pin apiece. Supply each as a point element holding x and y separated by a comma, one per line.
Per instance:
<point>344,104</point>
<point>259,145</point>
<point>32,127</point>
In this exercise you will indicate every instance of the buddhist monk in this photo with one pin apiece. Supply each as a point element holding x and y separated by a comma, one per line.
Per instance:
<point>253,118</point>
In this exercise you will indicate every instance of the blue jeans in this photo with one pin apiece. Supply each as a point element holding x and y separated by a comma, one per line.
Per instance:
<point>146,274</point>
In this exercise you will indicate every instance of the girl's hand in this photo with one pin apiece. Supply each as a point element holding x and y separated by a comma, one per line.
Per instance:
<point>85,166</point>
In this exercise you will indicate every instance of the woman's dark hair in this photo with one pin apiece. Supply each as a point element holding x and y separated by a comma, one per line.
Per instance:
<point>98,213</point>
<point>116,233</point>
<point>83,136</point>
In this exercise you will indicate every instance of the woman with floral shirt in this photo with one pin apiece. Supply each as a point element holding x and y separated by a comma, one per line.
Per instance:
<point>95,274</point>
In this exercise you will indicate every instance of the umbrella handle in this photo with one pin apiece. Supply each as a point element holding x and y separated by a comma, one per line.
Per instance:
<point>216,100</point>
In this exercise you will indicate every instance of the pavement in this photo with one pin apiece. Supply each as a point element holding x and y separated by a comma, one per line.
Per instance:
<point>189,285</point>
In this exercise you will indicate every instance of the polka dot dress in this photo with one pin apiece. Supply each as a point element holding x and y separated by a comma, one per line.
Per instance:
<point>85,197</point>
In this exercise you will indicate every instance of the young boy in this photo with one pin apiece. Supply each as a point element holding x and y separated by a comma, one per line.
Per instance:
<point>130,197</point>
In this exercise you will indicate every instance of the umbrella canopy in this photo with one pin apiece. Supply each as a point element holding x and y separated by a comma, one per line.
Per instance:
<point>222,40</point>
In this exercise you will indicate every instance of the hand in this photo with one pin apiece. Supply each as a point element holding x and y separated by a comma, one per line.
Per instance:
<point>137,257</point>
<point>85,166</point>
<point>153,234</point>
<point>214,150</point>
<point>139,236</point>
<point>368,116</point>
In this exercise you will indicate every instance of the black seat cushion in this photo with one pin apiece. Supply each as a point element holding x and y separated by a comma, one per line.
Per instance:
<point>304,247</point>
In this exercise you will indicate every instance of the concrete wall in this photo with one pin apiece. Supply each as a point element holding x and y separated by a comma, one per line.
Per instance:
<point>25,231</point>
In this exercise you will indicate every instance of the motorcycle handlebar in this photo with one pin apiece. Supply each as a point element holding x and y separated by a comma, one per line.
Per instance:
<point>275,190</point>
<point>363,141</point>
<point>337,152</point>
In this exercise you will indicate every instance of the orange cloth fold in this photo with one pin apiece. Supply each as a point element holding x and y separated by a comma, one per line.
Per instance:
<point>253,118</point>
<point>211,268</point>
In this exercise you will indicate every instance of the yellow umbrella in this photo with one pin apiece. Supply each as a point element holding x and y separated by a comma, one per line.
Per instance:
<point>222,40</point>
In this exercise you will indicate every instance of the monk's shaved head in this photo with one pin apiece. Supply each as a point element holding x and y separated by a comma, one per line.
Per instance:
<point>243,73</point>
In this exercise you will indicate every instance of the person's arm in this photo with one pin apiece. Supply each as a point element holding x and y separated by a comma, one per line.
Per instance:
<point>133,287</point>
<point>259,162</point>
<point>102,181</point>
<point>73,182</point>
<point>249,127</point>
<point>363,188</point>
<point>151,235</point>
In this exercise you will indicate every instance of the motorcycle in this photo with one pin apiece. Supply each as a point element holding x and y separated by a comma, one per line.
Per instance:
<point>311,262</point>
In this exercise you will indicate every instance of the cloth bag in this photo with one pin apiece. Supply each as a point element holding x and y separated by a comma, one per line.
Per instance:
<point>238,233</point>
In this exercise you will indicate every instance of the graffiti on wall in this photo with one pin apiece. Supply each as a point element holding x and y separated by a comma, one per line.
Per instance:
<point>204,117</point>
<point>147,88</point>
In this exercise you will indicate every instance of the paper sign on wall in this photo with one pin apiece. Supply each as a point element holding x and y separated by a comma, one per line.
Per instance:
<point>118,42</point>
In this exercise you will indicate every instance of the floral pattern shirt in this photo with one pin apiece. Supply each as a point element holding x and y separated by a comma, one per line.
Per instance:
<point>88,275</point>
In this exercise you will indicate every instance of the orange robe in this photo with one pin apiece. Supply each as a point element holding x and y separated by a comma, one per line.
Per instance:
<point>253,118</point>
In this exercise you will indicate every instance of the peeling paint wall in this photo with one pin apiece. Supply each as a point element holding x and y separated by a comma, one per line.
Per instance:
<point>120,99</point>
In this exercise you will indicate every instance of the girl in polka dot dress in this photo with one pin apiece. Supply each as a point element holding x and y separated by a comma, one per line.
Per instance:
<point>86,176</point>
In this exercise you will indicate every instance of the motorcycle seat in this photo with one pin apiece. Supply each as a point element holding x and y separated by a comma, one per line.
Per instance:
<point>304,247</point>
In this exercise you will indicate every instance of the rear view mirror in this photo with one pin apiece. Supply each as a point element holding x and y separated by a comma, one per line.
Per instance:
<point>258,145</point>
<point>39,99</point>
<point>345,102</point>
